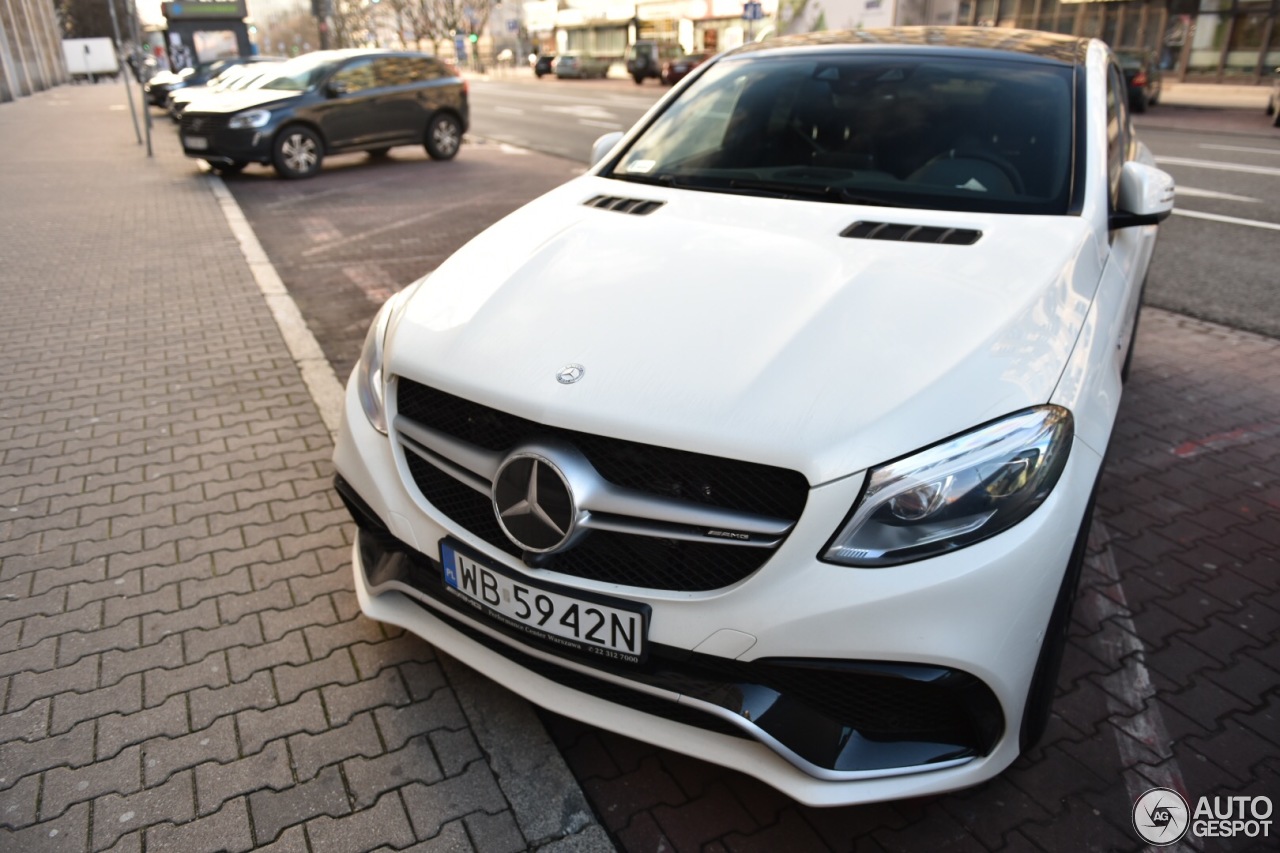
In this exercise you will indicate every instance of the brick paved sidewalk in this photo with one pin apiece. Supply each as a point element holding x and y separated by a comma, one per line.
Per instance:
<point>183,666</point>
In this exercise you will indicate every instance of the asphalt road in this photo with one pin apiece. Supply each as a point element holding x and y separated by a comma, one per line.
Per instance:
<point>1219,255</point>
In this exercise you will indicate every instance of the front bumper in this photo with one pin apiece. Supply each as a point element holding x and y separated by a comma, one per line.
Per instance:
<point>933,659</point>
<point>206,136</point>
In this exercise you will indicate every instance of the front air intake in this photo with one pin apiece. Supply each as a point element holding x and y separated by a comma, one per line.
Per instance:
<point>911,233</point>
<point>637,206</point>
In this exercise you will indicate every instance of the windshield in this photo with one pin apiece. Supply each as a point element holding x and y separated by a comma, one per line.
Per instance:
<point>300,74</point>
<point>942,132</point>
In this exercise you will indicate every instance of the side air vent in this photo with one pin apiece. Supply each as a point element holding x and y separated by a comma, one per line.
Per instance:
<point>911,233</point>
<point>638,206</point>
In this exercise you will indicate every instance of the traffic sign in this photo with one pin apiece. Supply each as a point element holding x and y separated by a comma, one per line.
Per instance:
<point>752,12</point>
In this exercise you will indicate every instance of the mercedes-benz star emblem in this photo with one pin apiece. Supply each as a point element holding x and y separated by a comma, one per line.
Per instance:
<point>570,374</point>
<point>534,504</point>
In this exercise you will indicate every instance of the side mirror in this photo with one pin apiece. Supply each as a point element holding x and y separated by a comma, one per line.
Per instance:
<point>1146,196</point>
<point>336,88</point>
<point>604,145</point>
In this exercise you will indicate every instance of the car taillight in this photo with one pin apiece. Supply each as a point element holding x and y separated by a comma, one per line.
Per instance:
<point>1140,79</point>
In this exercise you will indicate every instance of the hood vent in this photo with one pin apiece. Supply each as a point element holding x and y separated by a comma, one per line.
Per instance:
<point>911,233</point>
<point>637,206</point>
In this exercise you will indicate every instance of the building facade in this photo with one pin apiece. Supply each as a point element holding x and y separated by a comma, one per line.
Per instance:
<point>30,48</point>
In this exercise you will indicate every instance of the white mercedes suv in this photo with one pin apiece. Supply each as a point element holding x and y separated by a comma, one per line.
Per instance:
<point>772,439</point>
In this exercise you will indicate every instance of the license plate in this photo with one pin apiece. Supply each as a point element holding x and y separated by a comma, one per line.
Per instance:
<point>196,143</point>
<point>588,623</point>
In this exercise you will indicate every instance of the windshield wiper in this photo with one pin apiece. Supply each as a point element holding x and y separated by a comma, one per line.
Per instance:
<point>783,189</point>
<point>656,180</point>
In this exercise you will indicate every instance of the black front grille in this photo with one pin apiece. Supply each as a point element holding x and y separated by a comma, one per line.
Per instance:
<point>204,124</point>
<point>640,561</point>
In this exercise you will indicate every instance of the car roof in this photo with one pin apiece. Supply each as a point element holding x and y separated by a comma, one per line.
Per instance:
<point>997,41</point>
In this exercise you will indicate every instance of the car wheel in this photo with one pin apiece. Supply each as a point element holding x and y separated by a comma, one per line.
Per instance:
<point>444,137</point>
<point>638,78</point>
<point>297,153</point>
<point>1139,104</point>
<point>1276,121</point>
<point>1044,682</point>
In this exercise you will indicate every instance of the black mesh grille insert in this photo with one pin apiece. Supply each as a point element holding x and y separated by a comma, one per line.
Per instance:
<point>640,561</point>
<point>204,123</point>
<point>911,233</point>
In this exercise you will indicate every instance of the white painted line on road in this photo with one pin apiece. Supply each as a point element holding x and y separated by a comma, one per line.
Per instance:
<point>317,373</point>
<point>373,281</point>
<point>390,226</point>
<point>1241,148</point>
<point>1191,191</point>
<point>1219,165</point>
<point>507,148</point>
<point>509,111</point>
<point>607,125</point>
<point>1230,220</point>
<point>1142,736</point>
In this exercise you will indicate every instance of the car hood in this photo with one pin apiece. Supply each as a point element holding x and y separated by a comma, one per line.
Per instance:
<point>748,327</point>
<point>232,102</point>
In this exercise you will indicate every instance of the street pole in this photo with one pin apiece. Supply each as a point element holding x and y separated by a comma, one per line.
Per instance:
<point>132,7</point>
<point>128,94</point>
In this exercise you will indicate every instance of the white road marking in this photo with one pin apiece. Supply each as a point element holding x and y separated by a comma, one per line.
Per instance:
<point>373,280</point>
<point>1191,191</point>
<point>1142,735</point>
<point>1230,220</point>
<point>1242,148</point>
<point>584,111</point>
<point>607,125</point>
<point>1219,165</point>
<point>509,111</point>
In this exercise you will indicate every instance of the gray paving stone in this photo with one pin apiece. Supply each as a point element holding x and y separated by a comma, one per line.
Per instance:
<point>115,816</point>
<point>261,727</point>
<point>29,723</point>
<point>27,686</point>
<point>18,803</point>
<point>208,705</point>
<point>276,810</point>
<point>368,779</point>
<point>225,831</point>
<point>313,752</point>
<point>68,833</point>
<point>72,749</point>
<point>71,709</point>
<point>117,664</point>
<point>162,757</point>
<point>217,783</point>
<point>432,806</point>
<point>115,732</point>
<point>64,787</point>
<point>385,823</point>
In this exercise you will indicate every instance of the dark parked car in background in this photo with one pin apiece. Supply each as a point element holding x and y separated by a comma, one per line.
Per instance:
<point>675,70</point>
<point>327,102</point>
<point>1142,74</point>
<point>646,57</point>
<point>232,79</point>
<point>543,64</point>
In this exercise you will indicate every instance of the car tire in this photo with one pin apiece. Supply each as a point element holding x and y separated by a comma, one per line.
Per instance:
<point>638,78</point>
<point>297,153</point>
<point>444,137</point>
<point>1139,104</point>
<point>1044,681</point>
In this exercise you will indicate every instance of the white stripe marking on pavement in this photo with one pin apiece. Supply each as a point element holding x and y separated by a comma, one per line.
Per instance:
<point>1242,148</point>
<point>317,373</point>
<point>1230,220</point>
<point>1181,190</point>
<point>1138,736</point>
<point>607,125</point>
<point>509,111</point>
<point>1219,165</point>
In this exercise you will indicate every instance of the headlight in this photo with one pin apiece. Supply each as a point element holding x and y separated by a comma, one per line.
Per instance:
<point>249,118</point>
<point>956,493</point>
<point>370,381</point>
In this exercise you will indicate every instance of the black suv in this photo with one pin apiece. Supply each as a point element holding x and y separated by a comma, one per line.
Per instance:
<point>328,102</point>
